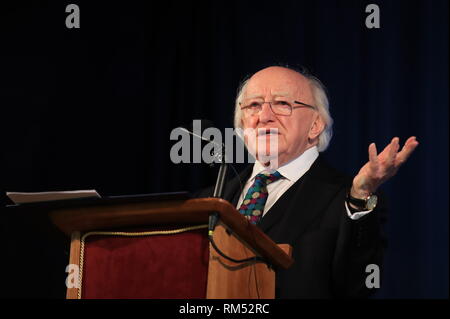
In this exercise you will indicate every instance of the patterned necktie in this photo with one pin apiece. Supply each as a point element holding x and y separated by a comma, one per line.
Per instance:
<point>253,205</point>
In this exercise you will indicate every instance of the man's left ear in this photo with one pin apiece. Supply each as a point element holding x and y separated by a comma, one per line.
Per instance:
<point>316,128</point>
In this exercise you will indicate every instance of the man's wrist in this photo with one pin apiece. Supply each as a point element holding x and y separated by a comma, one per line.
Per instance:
<point>361,200</point>
<point>359,193</point>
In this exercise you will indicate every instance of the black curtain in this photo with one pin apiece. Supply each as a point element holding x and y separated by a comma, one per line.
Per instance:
<point>94,107</point>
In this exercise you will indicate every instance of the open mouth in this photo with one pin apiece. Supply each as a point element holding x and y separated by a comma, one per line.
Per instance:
<point>268,132</point>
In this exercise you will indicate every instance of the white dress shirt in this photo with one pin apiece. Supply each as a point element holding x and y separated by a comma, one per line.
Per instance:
<point>291,173</point>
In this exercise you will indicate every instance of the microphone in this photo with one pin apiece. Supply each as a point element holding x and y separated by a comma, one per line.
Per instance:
<point>203,125</point>
<point>219,187</point>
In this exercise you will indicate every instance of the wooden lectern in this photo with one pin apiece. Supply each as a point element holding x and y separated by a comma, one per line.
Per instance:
<point>160,249</point>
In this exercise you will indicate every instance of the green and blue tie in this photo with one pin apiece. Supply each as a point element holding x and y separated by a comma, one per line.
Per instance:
<point>253,205</point>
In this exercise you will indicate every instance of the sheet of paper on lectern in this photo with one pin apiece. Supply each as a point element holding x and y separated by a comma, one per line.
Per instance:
<point>21,197</point>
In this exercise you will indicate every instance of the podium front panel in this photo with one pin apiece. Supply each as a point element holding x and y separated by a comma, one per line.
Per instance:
<point>170,263</point>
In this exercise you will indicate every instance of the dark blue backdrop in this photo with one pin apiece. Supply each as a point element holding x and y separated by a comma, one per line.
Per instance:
<point>94,107</point>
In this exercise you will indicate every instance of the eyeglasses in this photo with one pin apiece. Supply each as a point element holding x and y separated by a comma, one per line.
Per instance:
<point>278,107</point>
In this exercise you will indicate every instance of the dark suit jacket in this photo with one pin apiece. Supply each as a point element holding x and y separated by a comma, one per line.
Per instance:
<point>330,250</point>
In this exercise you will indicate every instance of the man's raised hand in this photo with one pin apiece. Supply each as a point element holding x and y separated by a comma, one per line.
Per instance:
<point>381,167</point>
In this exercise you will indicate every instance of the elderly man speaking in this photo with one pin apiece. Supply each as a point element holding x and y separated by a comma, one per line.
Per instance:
<point>331,221</point>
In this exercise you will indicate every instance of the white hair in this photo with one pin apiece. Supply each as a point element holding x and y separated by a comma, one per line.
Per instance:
<point>320,100</point>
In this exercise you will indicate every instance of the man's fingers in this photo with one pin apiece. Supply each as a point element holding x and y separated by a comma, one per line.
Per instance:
<point>406,151</point>
<point>392,151</point>
<point>411,140</point>
<point>373,158</point>
<point>387,150</point>
<point>387,156</point>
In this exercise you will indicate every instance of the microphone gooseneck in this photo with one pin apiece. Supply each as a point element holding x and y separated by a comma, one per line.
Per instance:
<point>219,187</point>
<point>219,190</point>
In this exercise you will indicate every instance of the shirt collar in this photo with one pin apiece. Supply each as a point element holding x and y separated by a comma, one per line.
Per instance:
<point>293,170</point>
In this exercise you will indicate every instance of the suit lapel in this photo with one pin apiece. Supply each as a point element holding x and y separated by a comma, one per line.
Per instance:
<point>234,187</point>
<point>281,206</point>
<point>301,204</point>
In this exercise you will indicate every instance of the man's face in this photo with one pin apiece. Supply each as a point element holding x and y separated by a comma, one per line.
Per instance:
<point>297,132</point>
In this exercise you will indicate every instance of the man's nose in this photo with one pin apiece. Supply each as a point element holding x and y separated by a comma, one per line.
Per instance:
<point>266,114</point>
